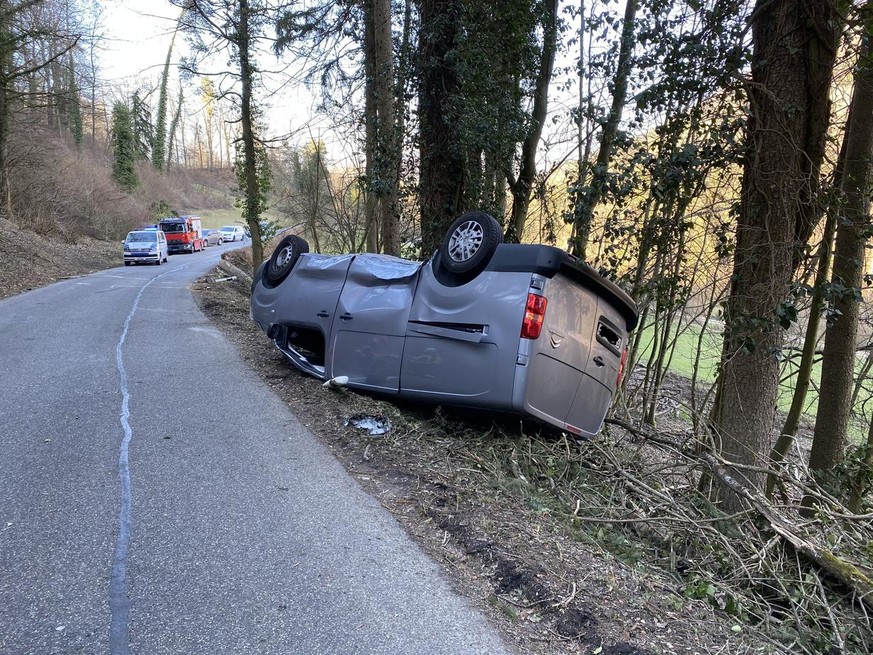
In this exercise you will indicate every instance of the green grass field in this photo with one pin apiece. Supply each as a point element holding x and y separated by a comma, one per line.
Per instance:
<point>216,218</point>
<point>213,219</point>
<point>710,343</point>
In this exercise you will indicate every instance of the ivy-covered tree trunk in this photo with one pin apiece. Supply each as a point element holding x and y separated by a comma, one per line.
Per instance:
<point>402,77</point>
<point>441,180</point>
<point>794,45</point>
<point>252,186</point>
<point>853,228</point>
<point>124,150</point>
<point>159,143</point>
<point>171,133</point>
<point>389,218</point>
<point>371,136</point>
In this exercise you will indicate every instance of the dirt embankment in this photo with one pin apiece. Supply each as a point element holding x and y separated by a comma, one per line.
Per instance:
<point>450,481</point>
<point>28,260</point>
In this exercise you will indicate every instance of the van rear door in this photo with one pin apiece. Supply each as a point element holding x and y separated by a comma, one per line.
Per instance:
<point>573,366</point>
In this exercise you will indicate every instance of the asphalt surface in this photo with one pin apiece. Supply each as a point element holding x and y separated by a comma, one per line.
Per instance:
<point>156,497</point>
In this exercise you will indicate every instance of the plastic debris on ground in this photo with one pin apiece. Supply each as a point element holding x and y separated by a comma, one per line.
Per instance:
<point>373,425</point>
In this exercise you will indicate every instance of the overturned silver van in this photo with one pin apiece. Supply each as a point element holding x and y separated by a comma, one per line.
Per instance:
<point>503,327</point>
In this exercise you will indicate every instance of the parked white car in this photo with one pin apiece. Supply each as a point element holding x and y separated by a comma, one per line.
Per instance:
<point>233,233</point>
<point>148,246</point>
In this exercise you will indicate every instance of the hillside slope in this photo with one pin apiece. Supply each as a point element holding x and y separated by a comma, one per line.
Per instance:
<point>29,260</point>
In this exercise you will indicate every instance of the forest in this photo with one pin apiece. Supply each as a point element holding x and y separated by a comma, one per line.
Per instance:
<point>713,157</point>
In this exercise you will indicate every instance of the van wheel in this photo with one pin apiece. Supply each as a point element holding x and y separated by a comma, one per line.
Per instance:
<point>470,242</point>
<point>284,257</point>
<point>127,263</point>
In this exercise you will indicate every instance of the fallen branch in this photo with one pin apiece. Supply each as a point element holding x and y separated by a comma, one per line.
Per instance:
<point>845,572</point>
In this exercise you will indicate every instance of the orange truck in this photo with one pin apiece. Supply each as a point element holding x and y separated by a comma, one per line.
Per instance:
<point>184,233</point>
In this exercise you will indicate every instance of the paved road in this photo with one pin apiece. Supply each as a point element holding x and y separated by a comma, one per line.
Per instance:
<point>155,497</point>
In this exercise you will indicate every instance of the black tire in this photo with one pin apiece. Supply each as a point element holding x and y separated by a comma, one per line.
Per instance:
<point>284,257</point>
<point>127,263</point>
<point>470,242</point>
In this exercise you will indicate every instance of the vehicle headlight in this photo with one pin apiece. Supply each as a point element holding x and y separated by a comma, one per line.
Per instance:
<point>127,246</point>
<point>153,248</point>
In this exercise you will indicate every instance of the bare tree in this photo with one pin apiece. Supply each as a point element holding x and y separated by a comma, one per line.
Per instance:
<point>523,184</point>
<point>235,26</point>
<point>20,27</point>
<point>588,198</point>
<point>853,229</point>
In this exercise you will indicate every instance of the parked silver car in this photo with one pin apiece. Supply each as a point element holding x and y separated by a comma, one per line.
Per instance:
<point>212,237</point>
<point>505,327</point>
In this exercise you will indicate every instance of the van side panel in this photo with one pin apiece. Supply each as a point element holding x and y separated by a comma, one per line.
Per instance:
<point>367,336</point>
<point>308,298</point>
<point>461,342</point>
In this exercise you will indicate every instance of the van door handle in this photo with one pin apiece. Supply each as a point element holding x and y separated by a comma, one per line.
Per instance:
<point>599,360</point>
<point>346,317</point>
<point>322,314</point>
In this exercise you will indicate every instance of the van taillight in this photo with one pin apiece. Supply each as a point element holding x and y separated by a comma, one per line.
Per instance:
<point>534,314</point>
<point>621,367</point>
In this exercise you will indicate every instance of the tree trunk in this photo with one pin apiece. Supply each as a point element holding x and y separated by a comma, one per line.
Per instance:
<point>401,80</point>
<point>521,188</point>
<point>838,362</point>
<point>861,483</point>
<point>383,60</point>
<point>5,198</point>
<point>441,178</point>
<point>6,90</point>
<point>171,134</point>
<point>159,142</point>
<point>783,122</point>
<point>252,205</point>
<point>804,369</point>
<point>587,200</point>
<point>371,136</point>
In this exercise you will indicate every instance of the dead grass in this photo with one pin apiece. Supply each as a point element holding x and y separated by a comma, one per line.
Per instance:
<point>62,191</point>
<point>29,260</point>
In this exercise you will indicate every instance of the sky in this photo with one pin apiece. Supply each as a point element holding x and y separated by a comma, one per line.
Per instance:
<point>138,34</point>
